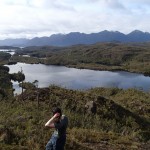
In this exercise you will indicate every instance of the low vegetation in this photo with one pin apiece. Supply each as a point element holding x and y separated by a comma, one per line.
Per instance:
<point>99,118</point>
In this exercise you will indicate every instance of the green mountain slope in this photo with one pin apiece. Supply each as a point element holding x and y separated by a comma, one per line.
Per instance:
<point>98,119</point>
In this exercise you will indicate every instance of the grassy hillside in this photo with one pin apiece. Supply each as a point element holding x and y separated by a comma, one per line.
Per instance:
<point>133,57</point>
<point>99,118</point>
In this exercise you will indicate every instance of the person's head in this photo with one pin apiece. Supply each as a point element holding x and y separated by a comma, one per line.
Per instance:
<point>57,110</point>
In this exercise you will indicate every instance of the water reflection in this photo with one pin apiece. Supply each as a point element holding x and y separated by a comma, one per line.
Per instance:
<point>80,79</point>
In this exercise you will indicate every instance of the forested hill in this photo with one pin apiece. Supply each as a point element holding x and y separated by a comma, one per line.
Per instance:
<point>133,57</point>
<point>74,38</point>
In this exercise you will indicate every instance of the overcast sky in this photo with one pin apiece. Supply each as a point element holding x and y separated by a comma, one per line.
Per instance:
<point>31,18</point>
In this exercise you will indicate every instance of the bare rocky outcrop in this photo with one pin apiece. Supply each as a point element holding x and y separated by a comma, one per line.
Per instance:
<point>91,107</point>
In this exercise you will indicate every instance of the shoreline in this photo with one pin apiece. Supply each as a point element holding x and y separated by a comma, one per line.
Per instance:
<point>138,85</point>
<point>89,66</point>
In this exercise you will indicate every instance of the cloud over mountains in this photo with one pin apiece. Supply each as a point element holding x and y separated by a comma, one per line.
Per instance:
<point>31,18</point>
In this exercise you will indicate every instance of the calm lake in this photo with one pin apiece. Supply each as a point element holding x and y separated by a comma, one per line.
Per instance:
<point>79,78</point>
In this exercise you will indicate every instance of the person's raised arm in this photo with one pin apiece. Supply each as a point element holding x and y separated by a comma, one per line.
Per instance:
<point>50,123</point>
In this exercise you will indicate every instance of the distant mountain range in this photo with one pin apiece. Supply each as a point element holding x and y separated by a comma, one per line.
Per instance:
<point>74,38</point>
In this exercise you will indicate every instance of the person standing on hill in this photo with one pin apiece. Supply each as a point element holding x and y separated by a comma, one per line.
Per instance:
<point>60,123</point>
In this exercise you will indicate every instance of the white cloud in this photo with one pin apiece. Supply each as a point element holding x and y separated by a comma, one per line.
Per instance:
<point>29,18</point>
<point>114,4</point>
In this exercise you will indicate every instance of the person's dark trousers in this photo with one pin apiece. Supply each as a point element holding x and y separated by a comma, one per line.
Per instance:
<point>56,143</point>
